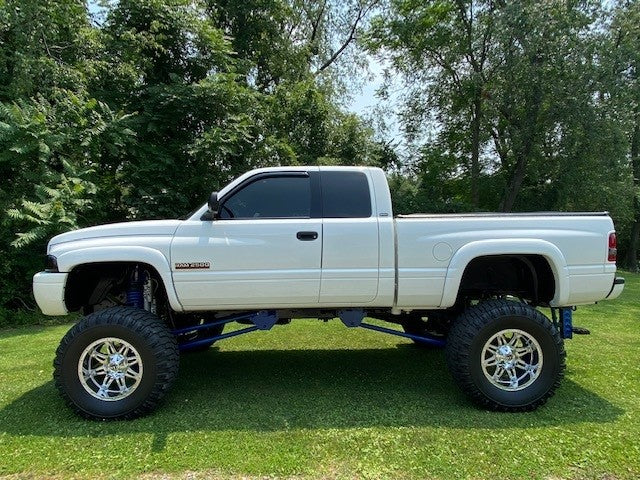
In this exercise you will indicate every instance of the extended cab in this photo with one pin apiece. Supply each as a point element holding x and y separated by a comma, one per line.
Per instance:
<point>322,242</point>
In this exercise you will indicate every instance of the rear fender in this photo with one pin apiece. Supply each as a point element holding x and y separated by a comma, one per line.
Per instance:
<point>511,246</point>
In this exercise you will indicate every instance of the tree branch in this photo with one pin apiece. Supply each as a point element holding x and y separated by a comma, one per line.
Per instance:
<point>363,10</point>
<point>316,22</point>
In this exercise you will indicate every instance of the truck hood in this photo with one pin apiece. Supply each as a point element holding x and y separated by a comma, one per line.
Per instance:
<point>124,229</point>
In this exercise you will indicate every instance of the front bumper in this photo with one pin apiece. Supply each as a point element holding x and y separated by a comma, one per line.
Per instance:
<point>48,289</point>
<point>616,288</point>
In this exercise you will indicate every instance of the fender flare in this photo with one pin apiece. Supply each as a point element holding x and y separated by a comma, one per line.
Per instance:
<point>150,256</point>
<point>510,246</point>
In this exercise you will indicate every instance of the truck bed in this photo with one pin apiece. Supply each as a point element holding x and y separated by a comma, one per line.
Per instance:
<point>433,250</point>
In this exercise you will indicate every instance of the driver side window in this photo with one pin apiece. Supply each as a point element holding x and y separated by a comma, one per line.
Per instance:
<point>270,197</point>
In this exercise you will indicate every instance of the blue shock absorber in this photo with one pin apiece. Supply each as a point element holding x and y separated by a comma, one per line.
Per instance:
<point>566,316</point>
<point>135,296</point>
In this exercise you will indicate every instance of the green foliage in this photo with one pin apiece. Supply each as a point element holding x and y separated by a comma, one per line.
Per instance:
<point>144,113</point>
<point>518,105</point>
<point>56,208</point>
<point>50,148</point>
<point>41,46</point>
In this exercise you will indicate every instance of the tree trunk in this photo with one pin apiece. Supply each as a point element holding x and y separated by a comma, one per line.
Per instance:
<point>631,260</point>
<point>515,182</point>
<point>524,133</point>
<point>527,133</point>
<point>476,112</point>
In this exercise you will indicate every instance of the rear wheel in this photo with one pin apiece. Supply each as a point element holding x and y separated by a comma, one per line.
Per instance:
<point>506,355</point>
<point>116,363</point>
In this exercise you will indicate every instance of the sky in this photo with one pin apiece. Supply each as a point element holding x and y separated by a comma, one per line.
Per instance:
<point>364,103</point>
<point>364,100</point>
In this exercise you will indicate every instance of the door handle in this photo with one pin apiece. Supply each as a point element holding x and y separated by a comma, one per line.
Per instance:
<point>306,236</point>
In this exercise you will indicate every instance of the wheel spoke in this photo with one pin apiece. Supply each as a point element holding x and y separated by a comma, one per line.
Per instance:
<point>513,378</point>
<point>98,356</point>
<point>520,351</point>
<point>104,388</point>
<point>493,349</point>
<point>105,366</point>
<point>511,359</point>
<point>491,361</point>
<point>122,384</point>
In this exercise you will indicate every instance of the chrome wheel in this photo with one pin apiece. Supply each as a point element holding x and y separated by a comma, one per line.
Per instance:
<point>110,369</point>
<point>512,360</point>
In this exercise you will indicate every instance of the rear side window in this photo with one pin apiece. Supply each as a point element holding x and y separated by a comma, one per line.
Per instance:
<point>271,197</point>
<point>345,195</point>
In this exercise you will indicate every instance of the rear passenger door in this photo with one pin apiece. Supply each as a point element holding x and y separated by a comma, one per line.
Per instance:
<point>349,238</point>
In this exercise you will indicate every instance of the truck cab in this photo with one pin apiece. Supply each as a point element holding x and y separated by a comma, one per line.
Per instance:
<point>286,238</point>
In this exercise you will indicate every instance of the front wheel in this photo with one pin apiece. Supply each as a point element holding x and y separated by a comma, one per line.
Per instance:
<point>116,363</point>
<point>506,355</point>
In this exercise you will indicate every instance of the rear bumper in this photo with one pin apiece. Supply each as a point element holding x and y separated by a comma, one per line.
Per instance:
<point>616,288</point>
<point>48,289</point>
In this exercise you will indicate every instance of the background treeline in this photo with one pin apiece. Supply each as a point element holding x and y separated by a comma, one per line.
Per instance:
<point>138,108</point>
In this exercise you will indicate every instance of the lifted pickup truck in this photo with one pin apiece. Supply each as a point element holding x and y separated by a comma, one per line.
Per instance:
<point>321,242</point>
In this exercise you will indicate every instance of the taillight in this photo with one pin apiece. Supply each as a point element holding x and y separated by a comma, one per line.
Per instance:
<point>613,247</point>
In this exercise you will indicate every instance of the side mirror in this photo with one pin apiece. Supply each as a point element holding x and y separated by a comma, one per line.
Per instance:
<point>214,206</point>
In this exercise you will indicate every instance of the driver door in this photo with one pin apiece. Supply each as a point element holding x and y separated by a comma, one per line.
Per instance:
<point>264,251</point>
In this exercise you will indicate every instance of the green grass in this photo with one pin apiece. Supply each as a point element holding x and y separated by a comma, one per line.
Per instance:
<point>318,400</point>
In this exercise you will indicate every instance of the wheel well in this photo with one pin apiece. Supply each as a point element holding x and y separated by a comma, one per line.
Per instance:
<point>525,276</point>
<point>91,283</point>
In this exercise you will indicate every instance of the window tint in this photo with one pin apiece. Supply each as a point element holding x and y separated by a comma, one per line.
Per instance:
<point>271,197</point>
<point>345,195</point>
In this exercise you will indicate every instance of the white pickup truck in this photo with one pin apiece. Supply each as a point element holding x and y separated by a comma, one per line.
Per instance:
<point>322,242</point>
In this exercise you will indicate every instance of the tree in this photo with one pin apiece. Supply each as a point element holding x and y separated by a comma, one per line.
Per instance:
<point>293,40</point>
<point>502,101</point>
<point>142,114</point>
<point>442,49</point>
<point>621,89</point>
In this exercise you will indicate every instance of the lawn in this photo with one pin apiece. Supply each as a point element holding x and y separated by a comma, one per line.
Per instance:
<point>318,400</point>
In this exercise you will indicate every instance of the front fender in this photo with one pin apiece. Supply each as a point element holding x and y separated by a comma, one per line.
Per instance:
<point>68,260</point>
<point>511,246</point>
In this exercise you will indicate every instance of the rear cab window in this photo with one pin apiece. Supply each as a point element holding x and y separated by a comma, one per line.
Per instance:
<point>345,194</point>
